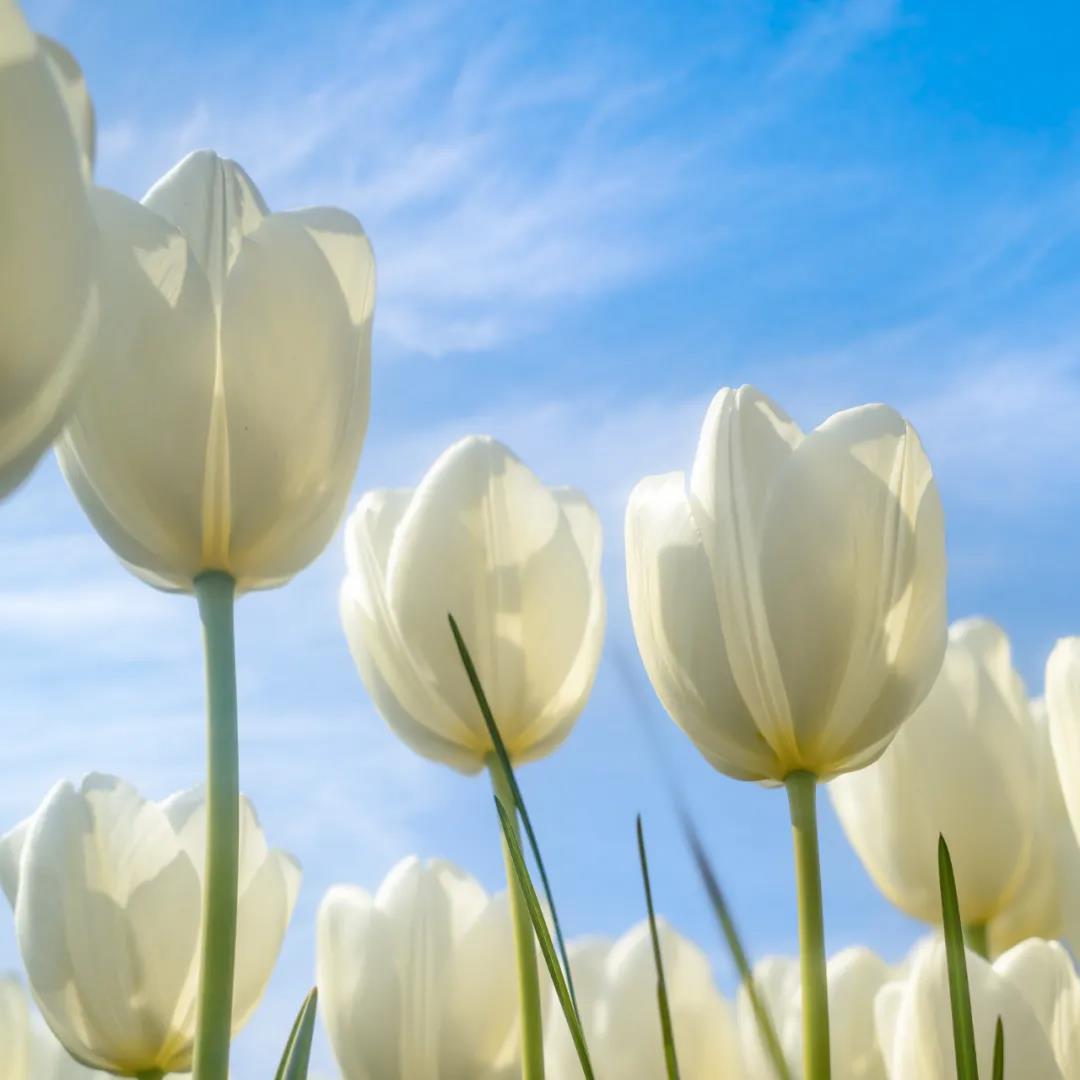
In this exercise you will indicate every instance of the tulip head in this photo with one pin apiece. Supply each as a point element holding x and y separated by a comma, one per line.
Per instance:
<point>788,601</point>
<point>964,767</point>
<point>418,980</point>
<point>106,889</point>
<point>49,257</point>
<point>518,566</point>
<point>223,420</point>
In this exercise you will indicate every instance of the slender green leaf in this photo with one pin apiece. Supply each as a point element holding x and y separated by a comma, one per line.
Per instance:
<point>511,779</point>
<point>297,1055</point>
<point>670,1058</point>
<point>999,1051</point>
<point>543,936</point>
<point>967,1066</point>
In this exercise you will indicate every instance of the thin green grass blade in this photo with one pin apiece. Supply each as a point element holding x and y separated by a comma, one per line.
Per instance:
<point>297,1056</point>
<point>508,772</point>
<point>670,1057</point>
<point>967,1066</point>
<point>999,1051</point>
<point>543,936</point>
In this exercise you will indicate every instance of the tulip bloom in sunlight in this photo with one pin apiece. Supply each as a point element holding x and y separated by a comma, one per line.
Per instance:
<point>788,600</point>
<point>616,989</point>
<point>222,423</point>
<point>418,980</point>
<point>1063,706</point>
<point>964,766</point>
<point>27,1050</point>
<point>914,1021</point>
<point>518,566</point>
<point>49,257</point>
<point>106,890</point>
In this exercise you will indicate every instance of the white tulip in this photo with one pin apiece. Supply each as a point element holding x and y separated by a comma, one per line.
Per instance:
<point>615,983</point>
<point>963,766</point>
<point>27,1050</point>
<point>518,566</point>
<point>223,419</point>
<point>76,97</point>
<point>854,977</point>
<point>106,888</point>
<point>788,601</point>
<point>915,1030</point>
<point>49,256</point>
<point>418,981</point>
<point>1063,706</point>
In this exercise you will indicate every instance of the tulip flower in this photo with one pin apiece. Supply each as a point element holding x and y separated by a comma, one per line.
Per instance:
<point>855,975</point>
<point>913,1018</point>
<point>1063,706</point>
<point>516,563</point>
<point>106,888</point>
<point>49,258</point>
<point>417,981</point>
<point>789,606</point>
<point>80,109</point>
<point>616,991</point>
<point>27,1052</point>
<point>964,766</point>
<point>222,423</point>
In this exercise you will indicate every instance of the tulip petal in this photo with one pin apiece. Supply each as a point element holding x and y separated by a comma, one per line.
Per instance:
<point>72,84</point>
<point>14,1031</point>
<point>1063,707</point>
<point>11,848</point>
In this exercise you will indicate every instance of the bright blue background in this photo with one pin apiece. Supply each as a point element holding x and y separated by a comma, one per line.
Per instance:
<point>587,218</point>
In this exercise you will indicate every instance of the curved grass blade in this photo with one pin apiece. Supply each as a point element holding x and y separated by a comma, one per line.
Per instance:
<point>543,936</point>
<point>670,1058</point>
<point>511,779</point>
<point>999,1051</point>
<point>967,1066</point>
<point>297,1056</point>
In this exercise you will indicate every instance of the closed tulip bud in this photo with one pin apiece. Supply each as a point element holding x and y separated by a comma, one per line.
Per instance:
<point>418,980</point>
<point>27,1052</point>
<point>518,566</point>
<point>854,977</point>
<point>913,1017</point>
<point>221,424</point>
<point>788,601</point>
<point>615,983</point>
<point>964,767</point>
<point>1063,707</point>
<point>49,255</point>
<point>106,888</point>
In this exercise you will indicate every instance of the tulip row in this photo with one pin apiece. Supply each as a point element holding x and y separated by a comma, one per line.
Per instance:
<point>203,366</point>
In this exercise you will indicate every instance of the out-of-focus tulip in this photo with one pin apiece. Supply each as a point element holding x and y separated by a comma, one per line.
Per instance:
<point>1063,706</point>
<point>615,984</point>
<point>963,766</point>
<point>27,1051</point>
<point>788,601</point>
<point>49,257</point>
<point>1045,975</point>
<point>518,566</point>
<point>1047,904</point>
<point>854,976</point>
<point>418,980</point>
<point>223,418</point>
<point>914,1022</point>
<point>106,889</point>
<point>80,109</point>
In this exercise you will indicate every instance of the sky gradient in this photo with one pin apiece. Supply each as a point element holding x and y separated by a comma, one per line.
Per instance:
<point>586,222</point>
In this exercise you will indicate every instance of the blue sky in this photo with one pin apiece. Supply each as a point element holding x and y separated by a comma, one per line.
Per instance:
<point>587,219</point>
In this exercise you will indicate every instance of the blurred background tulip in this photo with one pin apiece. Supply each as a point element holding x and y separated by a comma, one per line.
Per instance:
<point>106,891</point>
<point>964,766</point>
<point>418,980</point>
<point>1063,707</point>
<point>518,566</point>
<point>27,1050</point>
<point>223,419</point>
<point>788,600</point>
<point>915,1028</point>
<point>616,990</point>
<point>49,303</point>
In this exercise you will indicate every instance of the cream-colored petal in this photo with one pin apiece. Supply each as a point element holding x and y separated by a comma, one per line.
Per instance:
<point>11,849</point>
<point>745,441</point>
<point>588,963</point>
<point>853,577</point>
<point>72,83</point>
<point>855,976</point>
<point>776,979</point>
<point>50,1061</point>
<point>14,1031</point>
<point>296,353</point>
<point>1063,707</point>
<point>679,634</point>
<point>134,449</point>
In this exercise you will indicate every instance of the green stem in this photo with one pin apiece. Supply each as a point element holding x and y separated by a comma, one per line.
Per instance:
<point>802,798</point>
<point>215,592</point>
<point>532,1033</point>
<point>151,1074</point>
<point>977,939</point>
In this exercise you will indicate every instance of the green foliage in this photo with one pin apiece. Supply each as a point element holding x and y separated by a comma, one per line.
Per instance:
<point>967,1066</point>
<point>297,1055</point>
